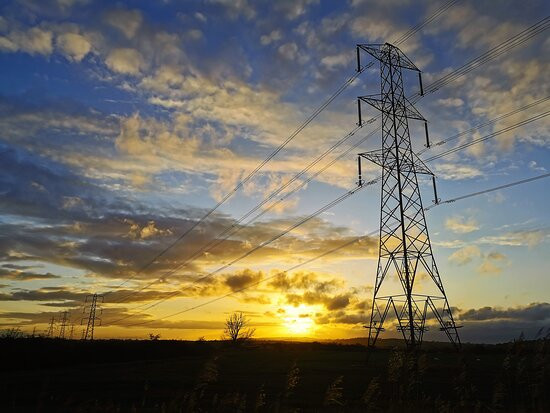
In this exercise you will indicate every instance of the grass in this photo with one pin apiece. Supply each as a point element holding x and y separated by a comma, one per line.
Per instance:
<point>182,376</point>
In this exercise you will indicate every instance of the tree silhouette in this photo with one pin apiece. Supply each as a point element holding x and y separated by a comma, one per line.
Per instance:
<point>235,328</point>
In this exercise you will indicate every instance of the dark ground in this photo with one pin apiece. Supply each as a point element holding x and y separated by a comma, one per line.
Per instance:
<point>181,376</point>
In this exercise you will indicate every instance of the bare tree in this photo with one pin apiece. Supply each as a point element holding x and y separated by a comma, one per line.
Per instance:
<point>236,328</point>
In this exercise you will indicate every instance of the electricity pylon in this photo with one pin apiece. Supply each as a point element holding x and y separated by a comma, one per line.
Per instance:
<point>51,327</point>
<point>405,254</point>
<point>92,319</point>
<point>63,325</point>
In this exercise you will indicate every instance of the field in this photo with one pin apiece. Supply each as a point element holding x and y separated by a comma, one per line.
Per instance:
<point>183,376</point>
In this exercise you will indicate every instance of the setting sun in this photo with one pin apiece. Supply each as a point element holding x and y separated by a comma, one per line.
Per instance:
<point>297,320</point>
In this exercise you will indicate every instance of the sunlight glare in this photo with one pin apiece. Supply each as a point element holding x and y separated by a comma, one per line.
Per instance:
<point>297,320</point>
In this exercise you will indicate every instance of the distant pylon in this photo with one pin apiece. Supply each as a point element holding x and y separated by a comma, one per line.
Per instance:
<point>50,330</point>
<point>92,319</point>
<point>71,331</point>
<point>63,325</point>
<point>405,254</point>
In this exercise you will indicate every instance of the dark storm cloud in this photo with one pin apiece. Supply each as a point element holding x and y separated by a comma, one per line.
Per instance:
<point>243,279</point>
<point>91,229</point>
<point>531,313</point>
<point>342,317</point>
<point>337,302</point>
<point>18,275</point>
<point>66,297</point>
<point>304,280</point>
<point>311,298</point>
<point>18,267</point>
<point>45,295</point>
<point>500,331</point>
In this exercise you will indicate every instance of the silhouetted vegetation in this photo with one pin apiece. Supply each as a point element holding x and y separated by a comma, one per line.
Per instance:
<point>40,374</point>
<point>236,328</point>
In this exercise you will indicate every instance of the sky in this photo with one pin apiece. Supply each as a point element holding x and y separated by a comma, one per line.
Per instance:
<point>123,123</point>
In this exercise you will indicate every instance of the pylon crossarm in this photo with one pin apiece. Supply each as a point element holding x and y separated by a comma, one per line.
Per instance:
<point>420,166</point>
<point>381,51</point>
<point>405,109</point>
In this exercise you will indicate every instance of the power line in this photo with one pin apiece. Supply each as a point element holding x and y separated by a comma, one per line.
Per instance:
<point>486,123</point>
<point>486,191</point>
<point>447,79</point>
<point>348,243</point>
<point>230,230</point>
<point>492,53</point>
<point>263,244</point>
<point>489,136</point>
<point>263,280</point>
<point>320,171</point>
<point>326,207</point>
<point>412,31</point>
<point>404,38</point>
<point>234,229</point>
<point>487,56</point>
<point>315,113</point>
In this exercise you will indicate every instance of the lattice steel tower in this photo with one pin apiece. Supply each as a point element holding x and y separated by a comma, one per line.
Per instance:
<point>93,316</point>
<point>51,328</point>
<point>405,253</point>
<point>63,325</point>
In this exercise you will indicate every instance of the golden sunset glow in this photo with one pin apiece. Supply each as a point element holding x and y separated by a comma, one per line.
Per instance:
<point>297,320</point>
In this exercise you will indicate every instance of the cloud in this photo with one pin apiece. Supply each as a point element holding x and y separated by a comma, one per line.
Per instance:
<point>126,61</point>
<point>111,239</point>
<point>489,265</point>
<point>18,275</point>
<point>531,312</point>
<point>62,296</point>
<point>496,256</point>
<point>236,8</point>
<point>502,324</point>
<point>489,268</point>
<point>200,16</point>
<point>304,280</point>
<point>465,255</point>
<point>334,62</point>
<point>288,51</point>
<point>342,317</point>
<point>451,102</point>
<point>456,171</point>
<point>535,167</point>
<point>148,230</point>
<point>127,22</point>
<point>461,225</point>
<point>33,41</point>
<point>73,45</point>
<point>338,302</point>
<point>312,298</point>
<point>293,9</point>
<point>530,238</point>
<point>242,279</point>
<point>274,36</point>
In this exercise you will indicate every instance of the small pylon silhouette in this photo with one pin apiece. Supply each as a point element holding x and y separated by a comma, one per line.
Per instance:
<point>51,328</point>
<point>93,319</point>
<point>63,324</point>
